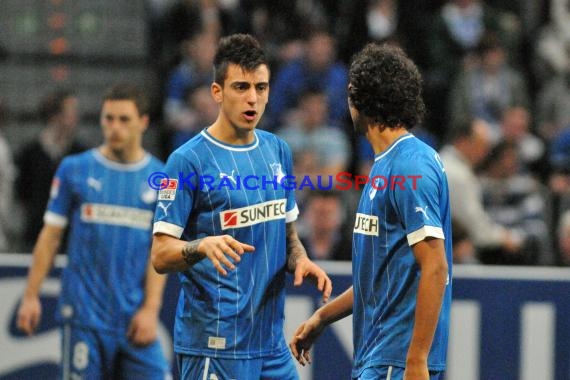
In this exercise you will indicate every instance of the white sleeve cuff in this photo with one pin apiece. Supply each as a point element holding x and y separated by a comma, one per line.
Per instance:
<point>168,229</point>
<point>424,232</point>
<point>54,219</point>
<point>291,215</point>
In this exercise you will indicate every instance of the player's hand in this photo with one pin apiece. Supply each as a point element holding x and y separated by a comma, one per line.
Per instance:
<point>143,328</point>
<point>220,249</point>
<point>416,370</point>
<point>306,334</point>
<point>29,314</point>
<point>304,267</point>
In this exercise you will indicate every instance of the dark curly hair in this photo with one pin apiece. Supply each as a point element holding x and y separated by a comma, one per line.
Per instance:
<point>386,86</point>
<point>240,49</point>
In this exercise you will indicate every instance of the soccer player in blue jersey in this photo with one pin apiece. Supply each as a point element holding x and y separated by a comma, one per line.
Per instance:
<point>225,222</point>
<point>111,294</point>
<point>401,294</point>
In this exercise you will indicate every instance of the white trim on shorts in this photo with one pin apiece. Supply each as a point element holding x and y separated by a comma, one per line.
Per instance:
<point>389,375</point>
<point>206,369</point>
<point>66,365</point>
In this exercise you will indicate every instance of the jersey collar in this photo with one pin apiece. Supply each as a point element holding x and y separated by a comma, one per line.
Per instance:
<point>393,145</point>
<point>235,148</point>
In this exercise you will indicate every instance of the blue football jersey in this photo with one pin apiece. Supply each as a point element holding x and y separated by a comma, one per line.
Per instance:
<point>217,189</point>
<point>405,202</point>
<point>108,207</point>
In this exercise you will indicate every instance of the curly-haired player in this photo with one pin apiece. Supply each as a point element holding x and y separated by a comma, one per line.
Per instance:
<point>401,294</point>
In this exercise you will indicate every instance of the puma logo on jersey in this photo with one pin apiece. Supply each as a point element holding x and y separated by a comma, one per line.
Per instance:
<point>423,211</point>
<point>230,177</point>
<point>94,183</point>
<point>164,207</point>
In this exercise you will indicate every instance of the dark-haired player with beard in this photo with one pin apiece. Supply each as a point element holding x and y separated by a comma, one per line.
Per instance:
<point>232,244</point>
<point>401,293</point>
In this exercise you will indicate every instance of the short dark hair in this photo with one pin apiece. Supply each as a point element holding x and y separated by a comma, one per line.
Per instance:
<point>461,129</point>
<point>239,49</point>
<point>386,86</point>
<point>125,91</point>
<point>52,104</point>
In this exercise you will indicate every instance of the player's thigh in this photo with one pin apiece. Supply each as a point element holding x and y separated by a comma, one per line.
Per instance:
<point>391,373</point>
<point>279,367</point>
<point>206,368</point>
<point>82,355</point>
<point>143,363</point>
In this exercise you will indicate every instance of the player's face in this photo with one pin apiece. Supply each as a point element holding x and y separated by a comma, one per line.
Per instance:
<point>243,96</point>
<point>122,125</point>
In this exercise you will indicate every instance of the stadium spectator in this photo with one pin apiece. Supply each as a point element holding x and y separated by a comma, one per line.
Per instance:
<point>515,200</point>
<point>485,89</point>
<point>553,106</point>
<point>321,225</point>
<point>318,68</point>
<point>468,147</point>
<point>452,38</point>
<point>7,175</point>
<point>551,46</point>
<point>110,295</point>
<point>38,160</point>
<point>309,132</point>
<point>200,110</point>
<point>515,129</point>
<point>194,71</point>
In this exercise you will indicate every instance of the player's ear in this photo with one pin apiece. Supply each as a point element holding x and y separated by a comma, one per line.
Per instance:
<point>145,121</point>
<point>216,91</point>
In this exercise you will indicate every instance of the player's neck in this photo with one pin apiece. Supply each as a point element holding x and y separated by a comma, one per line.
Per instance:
<point>225,132</point>
<point>123,156</point>
<point>382,138</point>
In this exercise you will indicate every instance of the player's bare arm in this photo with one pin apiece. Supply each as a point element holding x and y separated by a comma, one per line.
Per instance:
<point>299,263</point>
<point>170,254</point>
<point>143,328</point>
<point>309,331</point>
<point>46,248</point>
<point>430,256</point>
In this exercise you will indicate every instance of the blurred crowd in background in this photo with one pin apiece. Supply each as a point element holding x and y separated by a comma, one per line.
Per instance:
<point>496,81</point>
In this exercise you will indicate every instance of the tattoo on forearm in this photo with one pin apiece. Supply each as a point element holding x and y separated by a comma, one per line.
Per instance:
<point>295,248</point>
<point>190,252</point>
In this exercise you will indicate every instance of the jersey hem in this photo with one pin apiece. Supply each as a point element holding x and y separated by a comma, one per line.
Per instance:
<point>228,353</point>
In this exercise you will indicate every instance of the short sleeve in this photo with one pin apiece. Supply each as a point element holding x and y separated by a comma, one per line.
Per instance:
<point>61,196</point>
<point>417,199</point>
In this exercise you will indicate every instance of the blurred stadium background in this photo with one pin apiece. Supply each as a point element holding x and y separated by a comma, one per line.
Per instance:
<point>509,322</point>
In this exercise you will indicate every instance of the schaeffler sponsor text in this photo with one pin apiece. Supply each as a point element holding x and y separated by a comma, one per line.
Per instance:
<point>116,215</point>
<point>250,215</point>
